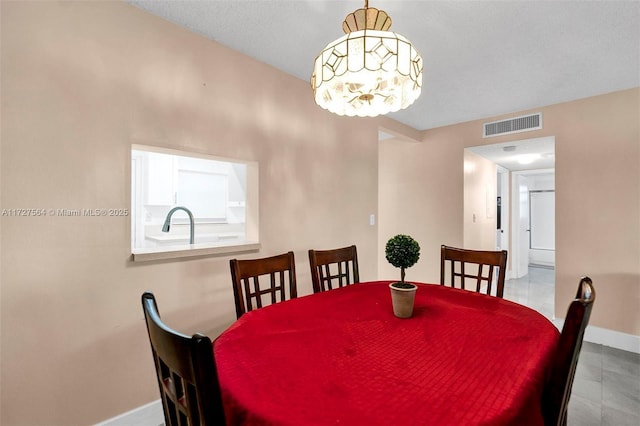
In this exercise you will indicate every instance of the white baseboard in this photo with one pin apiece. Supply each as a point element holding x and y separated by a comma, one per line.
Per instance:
<point>603,336</point>
<point>150,414</point>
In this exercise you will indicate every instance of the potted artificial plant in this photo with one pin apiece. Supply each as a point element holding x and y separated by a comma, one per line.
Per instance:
<point>403,252</point>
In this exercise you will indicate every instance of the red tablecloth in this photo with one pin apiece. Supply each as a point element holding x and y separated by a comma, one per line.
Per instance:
<point>342,358</point>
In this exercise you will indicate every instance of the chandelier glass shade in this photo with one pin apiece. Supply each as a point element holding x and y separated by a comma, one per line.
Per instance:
<point>369,71</point>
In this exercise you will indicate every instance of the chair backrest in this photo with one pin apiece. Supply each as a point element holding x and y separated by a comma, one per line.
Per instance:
<point>558,391</point>
<point>248,290</point>
<point>474,267</point>
<point>333,268</point>
<point>186,372</point>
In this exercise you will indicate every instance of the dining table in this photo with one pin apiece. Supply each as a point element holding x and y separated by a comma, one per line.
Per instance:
<point>341,357</point>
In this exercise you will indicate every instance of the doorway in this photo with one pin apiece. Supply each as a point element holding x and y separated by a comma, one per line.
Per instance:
<point>523,168</point>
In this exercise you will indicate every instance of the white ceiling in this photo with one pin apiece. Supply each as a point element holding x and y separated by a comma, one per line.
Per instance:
<point>481,58</point>
<point>540,153</point>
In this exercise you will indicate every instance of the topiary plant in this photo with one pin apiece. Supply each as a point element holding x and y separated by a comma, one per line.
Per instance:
<point>403,252</point>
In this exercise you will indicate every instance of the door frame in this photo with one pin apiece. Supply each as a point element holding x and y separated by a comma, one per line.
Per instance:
<point>519,267</point>
<point>503,234</point>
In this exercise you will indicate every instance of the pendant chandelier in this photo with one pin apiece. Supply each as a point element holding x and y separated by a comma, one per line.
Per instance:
<point>369,71</point>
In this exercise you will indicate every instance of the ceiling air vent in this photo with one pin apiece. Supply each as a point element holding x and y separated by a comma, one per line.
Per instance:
<point>513,125</point>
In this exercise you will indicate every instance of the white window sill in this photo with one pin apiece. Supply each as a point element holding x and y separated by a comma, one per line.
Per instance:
<point>183,239</point>
<point>191,250</point>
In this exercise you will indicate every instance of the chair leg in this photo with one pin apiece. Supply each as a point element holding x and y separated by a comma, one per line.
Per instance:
<point>563,419</point>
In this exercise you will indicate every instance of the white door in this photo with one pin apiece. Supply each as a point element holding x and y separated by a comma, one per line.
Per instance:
<point>543,229</point>
<point>520,259</point>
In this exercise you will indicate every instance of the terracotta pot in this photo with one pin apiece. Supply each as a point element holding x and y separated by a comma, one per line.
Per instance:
<point>402,300</point>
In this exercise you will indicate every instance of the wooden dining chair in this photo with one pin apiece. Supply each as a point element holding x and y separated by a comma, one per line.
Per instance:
<point>248,291</point>
<point>333,268</point>
<point>186,372</point>
<point>474,266</point>
<point>558,391</point>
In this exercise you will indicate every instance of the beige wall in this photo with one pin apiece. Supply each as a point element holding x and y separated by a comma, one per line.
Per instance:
<point>418,196</point>
<point>432,204</point>
<point>81,82</point>
<point>597,198</point>
<point>480,188</point>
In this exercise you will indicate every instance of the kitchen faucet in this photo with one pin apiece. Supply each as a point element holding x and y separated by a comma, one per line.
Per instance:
<point>167,222</point>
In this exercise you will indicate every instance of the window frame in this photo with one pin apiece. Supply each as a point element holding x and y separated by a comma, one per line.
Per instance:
<point>250,204</point>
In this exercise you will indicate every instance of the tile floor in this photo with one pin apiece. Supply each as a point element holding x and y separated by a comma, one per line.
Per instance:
<point>606,388</point>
